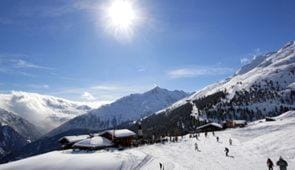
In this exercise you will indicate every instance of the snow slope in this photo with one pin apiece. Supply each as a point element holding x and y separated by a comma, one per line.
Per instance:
<point>251,147</point>
<point>128,108</point>
<point>46,112</point>
<point>278,67</point>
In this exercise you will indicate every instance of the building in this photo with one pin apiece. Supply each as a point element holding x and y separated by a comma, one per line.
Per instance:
<point>209,127</point>
<point>69,141</point>
<point>96,142</point>
<point>269,119</point>
<point>235,123</point>
<point>120,137</point>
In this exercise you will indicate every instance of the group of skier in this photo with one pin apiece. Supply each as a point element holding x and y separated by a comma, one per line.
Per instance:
<point>281,163</point>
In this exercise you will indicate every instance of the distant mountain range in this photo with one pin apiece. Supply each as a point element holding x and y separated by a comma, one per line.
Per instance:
<point>15,132</point>
<point>264,87</point>
<point>127,108</point>
<point>45,112</point>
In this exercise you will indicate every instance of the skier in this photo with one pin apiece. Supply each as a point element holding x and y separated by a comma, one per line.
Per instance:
<point>282,164</point>
<point>269,164</point>
<point>230,141</point>
<point>196,146</point>
<point>197,137</point>
<point>213,133</point>
<point>226,150</point>
<point>206,134</point>
<point>161,166</point>
<point>217,139</point>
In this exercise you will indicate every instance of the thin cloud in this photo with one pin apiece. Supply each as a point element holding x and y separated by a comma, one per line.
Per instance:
<point>10,64</point>
<point>251,56</point>
<point>88,96</point>
<point>198,71</point>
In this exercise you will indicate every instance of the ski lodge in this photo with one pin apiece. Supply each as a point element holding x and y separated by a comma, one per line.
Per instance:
<point>209,127</point>
<point>108,138</point>
<point>235,123</point>
<point>120,137</point>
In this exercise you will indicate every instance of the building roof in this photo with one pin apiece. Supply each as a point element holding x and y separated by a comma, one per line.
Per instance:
<point>240,121</point>
<point>76,138</point>
<point>121,133</point>
<point>210,124</point>
<point>94,142</point>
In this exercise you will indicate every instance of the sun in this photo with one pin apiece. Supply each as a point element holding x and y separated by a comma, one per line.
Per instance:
<point>121,14</point>
<point>121,17</point>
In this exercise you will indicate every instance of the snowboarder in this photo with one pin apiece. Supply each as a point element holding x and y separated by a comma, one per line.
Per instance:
<point>217,139</point>
<point>226,150</point>
<point>230,141</point>
<point>269,164</point>
<point>282,164</point>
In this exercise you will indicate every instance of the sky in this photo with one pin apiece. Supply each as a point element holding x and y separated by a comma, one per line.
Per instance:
<point>69,48</point>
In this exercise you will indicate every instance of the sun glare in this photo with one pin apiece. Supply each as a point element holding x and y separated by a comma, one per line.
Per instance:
<point>121,17</point>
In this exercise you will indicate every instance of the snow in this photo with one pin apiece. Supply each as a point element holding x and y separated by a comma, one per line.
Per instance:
<point>251,147</point>
<point>73,139</point>
<point>43,111</point>
<point>213,124</point>
<point>273,66</point>
<point>94,142</point>
<point>128,108</point>
<point>121,133</point>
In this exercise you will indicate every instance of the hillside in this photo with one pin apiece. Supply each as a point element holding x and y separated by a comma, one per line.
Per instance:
<point>251,147</point>
<point>264,87</point>
<point>128,108</point>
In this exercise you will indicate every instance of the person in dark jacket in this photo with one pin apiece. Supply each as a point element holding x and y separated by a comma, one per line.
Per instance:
<point>269,164</point>
<point>282,164</point>
<point>226,150</point>
<point>217,139</point>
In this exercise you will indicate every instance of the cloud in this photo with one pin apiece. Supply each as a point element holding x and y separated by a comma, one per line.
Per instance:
<point>39,86</point>
<point>12,64</point>
<point>245,60</point>
<point>88,96</point>
<point>107,92</point>
<point>251,56</point>
<point>20,63</point>
<point>198,71</point>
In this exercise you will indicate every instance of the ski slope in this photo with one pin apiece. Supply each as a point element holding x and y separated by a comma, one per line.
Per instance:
<point>251,147</point>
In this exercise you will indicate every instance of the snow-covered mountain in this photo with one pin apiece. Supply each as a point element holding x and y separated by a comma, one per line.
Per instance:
<point>15,132</point>
<point>251,147</point>
<point>128,108</point>
<point>19,124</point>
<point>264,87</point>
<point>45,112</point>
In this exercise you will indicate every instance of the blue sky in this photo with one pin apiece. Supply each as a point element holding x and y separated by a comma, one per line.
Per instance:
<point>64,48</point>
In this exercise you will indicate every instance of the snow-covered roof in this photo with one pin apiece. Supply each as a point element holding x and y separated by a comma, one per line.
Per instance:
<point>94,142</point>
<point>240,121</point>
<point>120,133</point>
<point>73,139</point>
<point>210,124</point>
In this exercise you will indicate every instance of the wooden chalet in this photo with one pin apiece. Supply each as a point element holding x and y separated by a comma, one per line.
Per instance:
<point>235,123</point>
<point>69,141</point>
<point>120,137</point>
<point>209,127</point>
